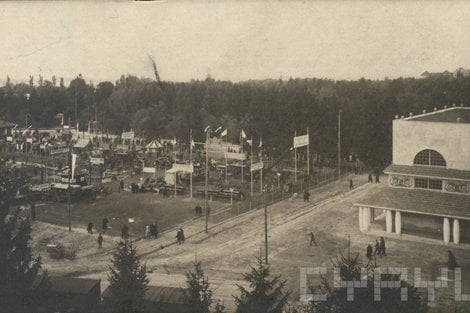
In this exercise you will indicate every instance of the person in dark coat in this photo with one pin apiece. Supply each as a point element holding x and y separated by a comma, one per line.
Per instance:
<point>154,230</point>
<point>121,185</point>
<point>369,179</point>
<point>377,248</point>
<point>124,232</point>
<point>105,223</point>
<point>312,239</point>
<point>377,179</point>
<point>382,246</point>
<point>89,228</point>
<point>351,184</point>
<point>100,241</point>
<point>33,212</point>
<point>178,236</point>
<point>369,252</point>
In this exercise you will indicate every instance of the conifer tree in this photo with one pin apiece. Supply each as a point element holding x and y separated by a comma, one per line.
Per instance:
<point>18,266</point>
<point>266,294</point>
<point>128,279</point>
<point>200,294</point>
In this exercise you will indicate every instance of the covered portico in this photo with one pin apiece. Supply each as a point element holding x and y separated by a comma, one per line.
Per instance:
<point>397,205</point>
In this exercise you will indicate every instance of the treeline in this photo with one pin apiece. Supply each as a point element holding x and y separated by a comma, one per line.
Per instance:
<point>271,109</point>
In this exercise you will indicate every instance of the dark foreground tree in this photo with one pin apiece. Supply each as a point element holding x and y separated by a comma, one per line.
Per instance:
<point>128,279</point>
<point>200,294</point>
<point>18,267</point>
<point>390,298</point>
<point>266,294</point>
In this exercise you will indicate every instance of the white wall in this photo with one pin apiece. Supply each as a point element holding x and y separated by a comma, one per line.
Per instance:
<point>452,140</point>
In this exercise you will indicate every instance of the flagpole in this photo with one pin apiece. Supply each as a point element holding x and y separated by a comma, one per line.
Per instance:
<point>261,170</point>
<point>295,159</point>
<point>226,164</point>
<point>191,162</point>
<point>176,173</point>
<point>251,164</point>
<point>243,160</point>
<point>308,158</point>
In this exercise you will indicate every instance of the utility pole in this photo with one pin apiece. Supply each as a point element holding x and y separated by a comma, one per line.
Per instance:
<point>295,159</point>
<point>308,159</point>
<point>207,181</point>
<point>76,114</point>
<point>68,189</point>
<point>191,162</point>
<point>339,145</point>
<point>265,229</point>
<point>251,166</point>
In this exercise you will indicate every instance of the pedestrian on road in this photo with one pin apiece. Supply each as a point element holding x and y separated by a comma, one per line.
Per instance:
<point>124,232</point>
<point>369,179</point>
<point>147,231</point>
<point>100,241</point>
<point>369,252</point>
<point>312,239</point>
<point>182,234</point>
<point>382,246</point>
<point>105,223</point>
<point>377,248</point>
<point>154,229</point>
<point>33,212</point>
<point>179,237</point>
<point>351,184</point>
<point>89,228</point>
<point>208,212</point>
<point>121,185</point>
<point>377,179</point>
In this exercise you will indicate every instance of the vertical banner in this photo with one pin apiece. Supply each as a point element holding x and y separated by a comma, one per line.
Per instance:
<point>74,160</point>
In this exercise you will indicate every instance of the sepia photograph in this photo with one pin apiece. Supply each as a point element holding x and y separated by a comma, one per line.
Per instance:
<point>276,156</point>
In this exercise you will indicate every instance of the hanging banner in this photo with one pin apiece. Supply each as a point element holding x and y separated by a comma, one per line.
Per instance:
<point>74,160</point>
<point>59,151</point>
<point>188,168</point>
<point>96,161</point>
<point>29,140</point>
<point>9,138</point>
<point>256,166</point>
<point>127,135</point>
<point>300,141</point>
<point>235,156</point>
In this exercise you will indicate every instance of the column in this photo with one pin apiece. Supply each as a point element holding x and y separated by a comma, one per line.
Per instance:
<point>456,231</point>
<point>372,214</point>
<point>366,218</point>
<point>388,221</point>
<point>360,218</point>
<point>398,222</point>
<point>446,230</point>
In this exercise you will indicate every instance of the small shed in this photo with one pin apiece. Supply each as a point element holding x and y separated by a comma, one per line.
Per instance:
<point>160,299</point>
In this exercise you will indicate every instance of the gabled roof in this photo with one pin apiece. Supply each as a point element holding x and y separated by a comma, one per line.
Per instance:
<point>420,202</point>
<point>160,294</point>
<point>69,285</point>
<point>5,124</point>
<point>428,171</point>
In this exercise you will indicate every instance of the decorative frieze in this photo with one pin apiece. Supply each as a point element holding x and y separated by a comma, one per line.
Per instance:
<point>460,187</point>
<point>401,181</point>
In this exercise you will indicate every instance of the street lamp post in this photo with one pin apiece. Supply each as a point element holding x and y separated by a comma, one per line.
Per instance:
<point>339,145</point>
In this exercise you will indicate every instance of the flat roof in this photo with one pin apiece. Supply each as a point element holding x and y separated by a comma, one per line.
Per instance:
<point>448,115</point>
<point>420,202</point>
<point>428,171</point>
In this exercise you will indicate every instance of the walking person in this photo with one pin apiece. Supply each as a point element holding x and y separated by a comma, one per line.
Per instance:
<point>100,241</point>
<point>351,184</point>
<point>377,248</point>
<point>369,252</point>
<point>89,228</point>
<point>369,179</point>
<point>178,236</point>
<point>312,239</point>
<point>147,231</point>
<point>377,179</point>
<point>382,246</point>
<point>124,232</point>
<point>33,212</point>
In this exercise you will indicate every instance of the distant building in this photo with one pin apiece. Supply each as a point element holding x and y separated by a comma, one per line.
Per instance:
<point>461,72</point>
<point>427,74</point>
<point>428,192</point>
<point>5,129</point>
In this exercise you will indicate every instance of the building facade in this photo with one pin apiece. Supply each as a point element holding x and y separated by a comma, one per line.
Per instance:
<point>428,190</point>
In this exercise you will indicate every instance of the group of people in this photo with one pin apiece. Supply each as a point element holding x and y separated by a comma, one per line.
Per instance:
<point>198,210</point>
<point>89,229</point>
<point>377,178</point>
<point>379,249</point>
<point>151,230</point>
<point>180,235</point>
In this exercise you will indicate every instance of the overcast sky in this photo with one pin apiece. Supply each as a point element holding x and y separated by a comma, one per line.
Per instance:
<point>233,40</point>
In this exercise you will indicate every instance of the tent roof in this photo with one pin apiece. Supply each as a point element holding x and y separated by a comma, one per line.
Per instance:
<point>154,144</point>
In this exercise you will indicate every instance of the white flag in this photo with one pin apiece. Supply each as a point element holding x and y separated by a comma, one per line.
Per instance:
<point>74,160</point>
<point>218,128</point>
<point>260,142</point>
<point>224,133</point>
<point>242,134</point>
<point>206,129</point>
<point>250,141</point>
<point>192,143</point>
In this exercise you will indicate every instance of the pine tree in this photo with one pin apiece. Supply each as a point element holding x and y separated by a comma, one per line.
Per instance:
<point>350,269</point>
<point>266,294</point>
<point>18,267</point>
<point>200,294</point>
<point>127,278</point>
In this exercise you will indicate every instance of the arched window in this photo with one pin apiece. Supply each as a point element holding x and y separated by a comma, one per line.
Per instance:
<point>429,157</point>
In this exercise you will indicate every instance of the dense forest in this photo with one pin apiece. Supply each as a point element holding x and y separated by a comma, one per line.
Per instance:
<point>271,109</point>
